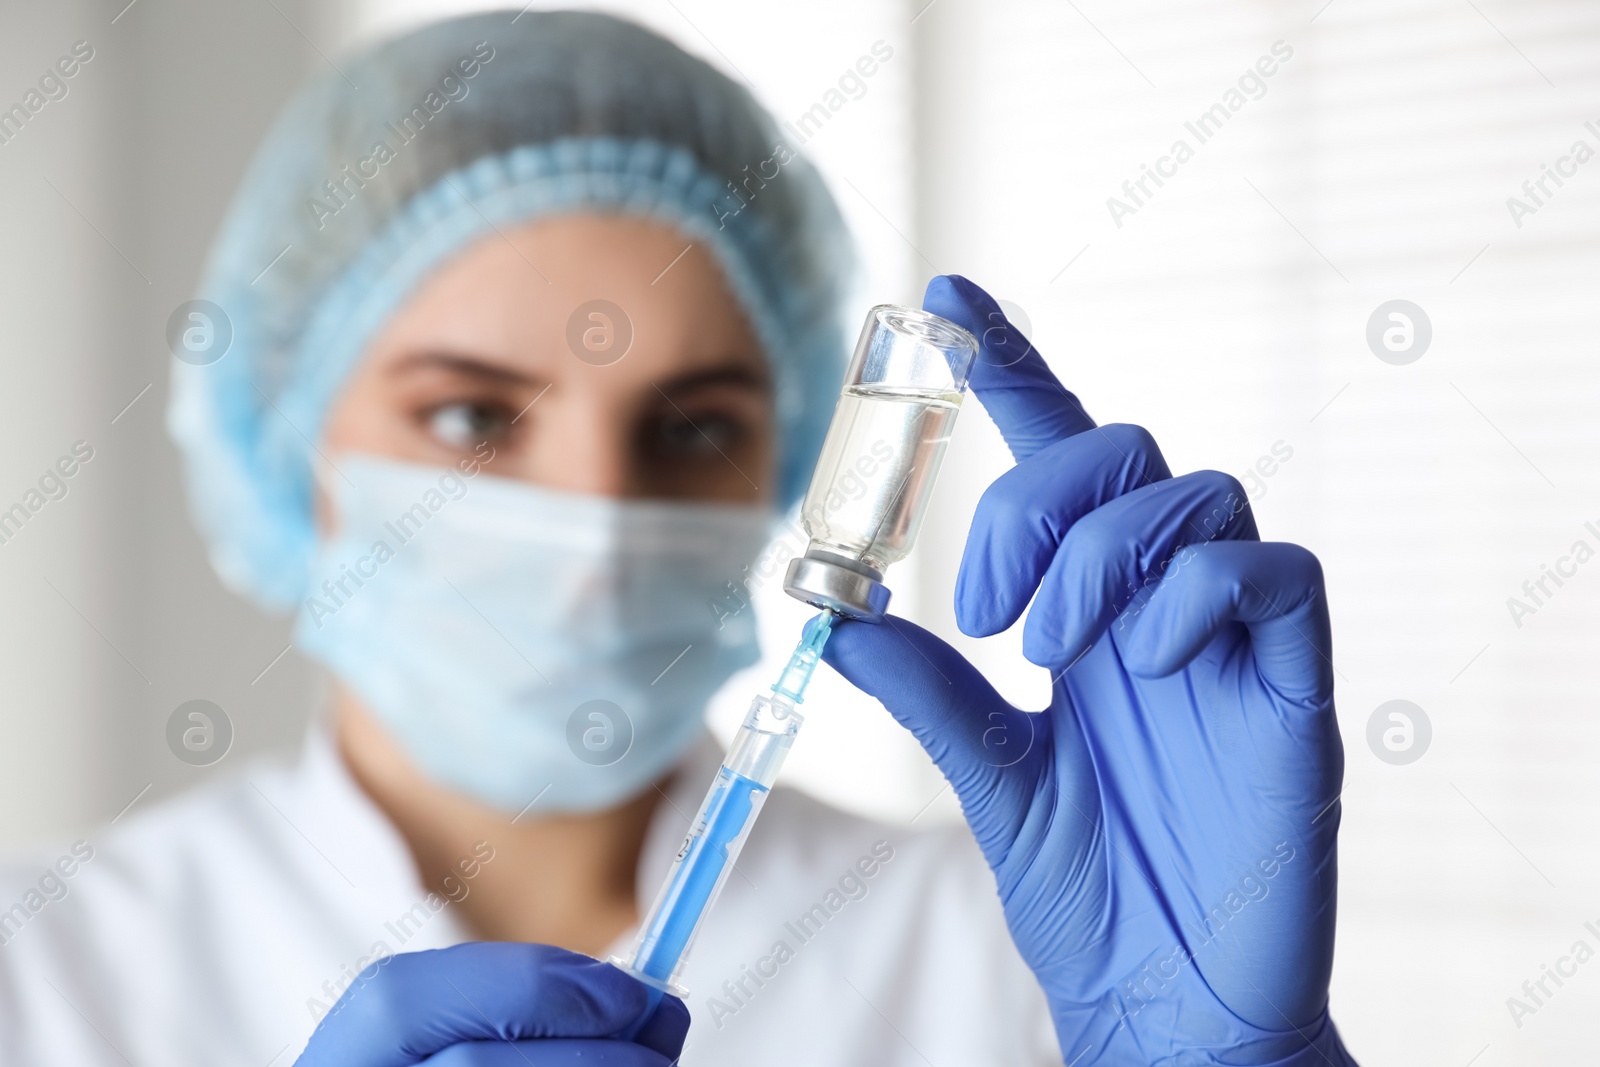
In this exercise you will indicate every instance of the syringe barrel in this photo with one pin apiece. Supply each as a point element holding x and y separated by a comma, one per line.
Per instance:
<point>764,739</point>
<point>715,839</point>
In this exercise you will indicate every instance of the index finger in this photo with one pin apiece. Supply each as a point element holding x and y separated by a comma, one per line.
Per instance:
<point>1017,388</point>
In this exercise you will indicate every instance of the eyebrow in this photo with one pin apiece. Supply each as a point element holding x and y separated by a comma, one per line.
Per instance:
<point>461,364</point>
<point>748,377</point>
<point>730,375</point>
<point>736,375</point>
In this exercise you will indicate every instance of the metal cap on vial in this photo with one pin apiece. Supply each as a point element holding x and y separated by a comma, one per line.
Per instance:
<point>826,579</point>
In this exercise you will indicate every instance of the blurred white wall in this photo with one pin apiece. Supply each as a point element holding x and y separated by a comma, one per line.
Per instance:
<point>112,615</point>
<point>1228,313</point>
<point>54,268</point>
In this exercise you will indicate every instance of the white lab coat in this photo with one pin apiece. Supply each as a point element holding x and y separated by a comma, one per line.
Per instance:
<point>215,929</point>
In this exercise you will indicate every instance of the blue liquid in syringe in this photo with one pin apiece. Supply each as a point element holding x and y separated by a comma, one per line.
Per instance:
<point>727,814</point>
<point>718,834</point>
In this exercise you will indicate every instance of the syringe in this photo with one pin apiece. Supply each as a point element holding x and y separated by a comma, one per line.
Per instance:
<point>867,499</point>
<point>729,811</point>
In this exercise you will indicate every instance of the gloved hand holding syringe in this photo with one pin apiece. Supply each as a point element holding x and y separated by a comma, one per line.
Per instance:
<point>865,504</point>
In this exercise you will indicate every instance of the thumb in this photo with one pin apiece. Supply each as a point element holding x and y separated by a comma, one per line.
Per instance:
<point>987,749</point>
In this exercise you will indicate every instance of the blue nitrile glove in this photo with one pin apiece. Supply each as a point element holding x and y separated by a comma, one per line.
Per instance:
<point>1163,835</point>
<point>497,1004</point>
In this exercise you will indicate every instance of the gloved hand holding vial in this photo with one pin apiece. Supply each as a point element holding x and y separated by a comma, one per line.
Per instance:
<point>1163,834</point>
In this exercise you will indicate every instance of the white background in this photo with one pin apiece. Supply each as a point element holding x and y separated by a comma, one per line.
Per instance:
<point>1228,314</point>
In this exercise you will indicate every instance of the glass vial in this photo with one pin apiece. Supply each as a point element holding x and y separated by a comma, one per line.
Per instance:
<point>872,483</point>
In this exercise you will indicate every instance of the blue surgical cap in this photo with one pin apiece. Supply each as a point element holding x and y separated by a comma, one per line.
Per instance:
<point>374,176</point>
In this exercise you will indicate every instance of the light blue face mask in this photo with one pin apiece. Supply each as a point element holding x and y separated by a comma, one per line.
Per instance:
<point>530,647</point>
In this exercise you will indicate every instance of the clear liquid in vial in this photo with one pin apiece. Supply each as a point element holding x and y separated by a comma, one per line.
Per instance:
<point>876,472</point>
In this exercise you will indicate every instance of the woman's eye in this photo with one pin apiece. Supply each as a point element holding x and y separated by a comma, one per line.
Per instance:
<point>467,425</point>
<point>704,434</point>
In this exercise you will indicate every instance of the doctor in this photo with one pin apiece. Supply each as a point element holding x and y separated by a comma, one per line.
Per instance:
<point>540,359</point>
